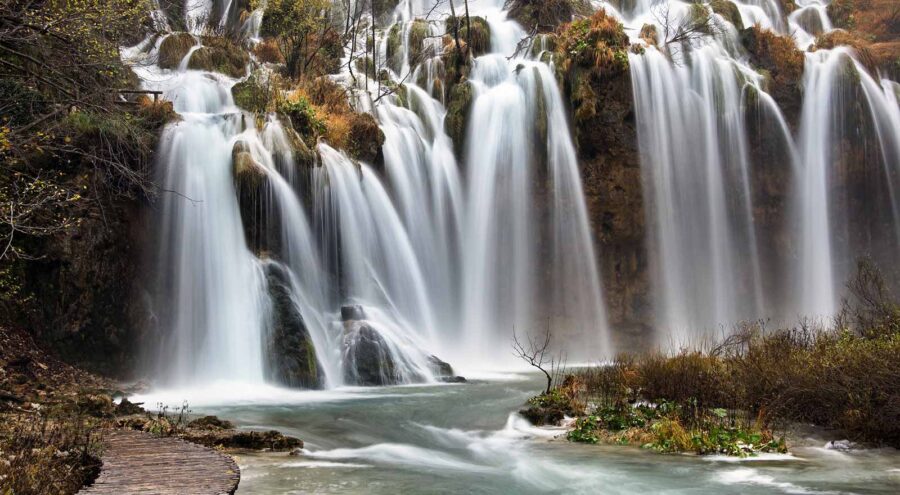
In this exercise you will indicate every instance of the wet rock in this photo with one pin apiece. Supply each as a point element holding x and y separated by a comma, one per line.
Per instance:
<point>546,15</point>
<point>443,371</point>
<point>352,313</point>
<point>366,139</point>
<point>173,49</point>
<point>367,359</point>
<point>291,356</point>
<point>459,107</point>
<point>478,42</point>
<point>243,440</point>
<point>219,54</point>
<point>211,423</point>
<point>729,11</point>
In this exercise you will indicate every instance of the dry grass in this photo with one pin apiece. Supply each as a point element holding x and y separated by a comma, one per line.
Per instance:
<point>846,376</point>
<point>42,456</point>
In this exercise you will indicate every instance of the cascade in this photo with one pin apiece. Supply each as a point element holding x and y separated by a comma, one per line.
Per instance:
<point>712,260</point>
<point>369,271</point>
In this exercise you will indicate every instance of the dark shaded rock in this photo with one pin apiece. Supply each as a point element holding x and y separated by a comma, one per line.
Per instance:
<point>261,223</point>
<point>443,371</point>
<point>459,107</point>
<point>291,356</point>
<point>366,139</point>
<point>352,313</point>
<point>777,58</point>
<point>367,360</point>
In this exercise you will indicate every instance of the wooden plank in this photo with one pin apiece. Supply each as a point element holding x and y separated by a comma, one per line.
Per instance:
<point>139,463</point>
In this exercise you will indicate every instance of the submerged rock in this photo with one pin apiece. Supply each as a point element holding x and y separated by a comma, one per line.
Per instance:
<point>291,356</point>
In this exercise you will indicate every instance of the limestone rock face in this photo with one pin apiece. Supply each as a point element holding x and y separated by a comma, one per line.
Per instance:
<point>606,139</point>
<point>291,356</point>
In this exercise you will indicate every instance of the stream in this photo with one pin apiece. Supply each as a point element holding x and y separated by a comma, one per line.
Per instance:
<point>464,439</point>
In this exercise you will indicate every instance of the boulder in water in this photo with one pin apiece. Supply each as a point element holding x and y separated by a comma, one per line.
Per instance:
<point>367,359</point>
<point>443,371</point>
<point>292,359</point>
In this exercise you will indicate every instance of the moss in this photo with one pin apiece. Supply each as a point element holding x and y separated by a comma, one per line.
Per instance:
<point>779,56</point>
<point>365,66</point>
<point>479,41</point>
<point>842,13</point>
<point>365,139</point>
<point>862,47</point>
<point>394,43</point>
<point>729,11</point>
<point>546,15</point>
<point>258,93</point>
<point>173,49</point>
<point>598,42</point>
<point>459,106</point>
<point>220,55</point>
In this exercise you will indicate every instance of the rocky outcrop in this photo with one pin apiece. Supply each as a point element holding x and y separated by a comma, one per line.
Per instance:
<point>367,359</point>
<point>779,60</point>
<point>173,49</point>
<point>290,353</point>
<point>546,15</point>
<point>250,182</point>
<point>606,138</point>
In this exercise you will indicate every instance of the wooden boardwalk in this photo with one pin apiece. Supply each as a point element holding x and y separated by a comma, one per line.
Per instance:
<point>139,463</point>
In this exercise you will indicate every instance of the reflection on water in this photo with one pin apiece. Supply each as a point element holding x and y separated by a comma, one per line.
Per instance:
<point>464,439</point>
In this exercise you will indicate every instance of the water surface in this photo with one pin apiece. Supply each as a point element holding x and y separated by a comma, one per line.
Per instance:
<point>463,439</point>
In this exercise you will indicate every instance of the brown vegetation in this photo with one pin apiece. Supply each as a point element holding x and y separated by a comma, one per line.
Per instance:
<point>846,377</point>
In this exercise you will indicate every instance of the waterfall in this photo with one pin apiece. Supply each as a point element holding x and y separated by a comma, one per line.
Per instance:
<point>700,179</point>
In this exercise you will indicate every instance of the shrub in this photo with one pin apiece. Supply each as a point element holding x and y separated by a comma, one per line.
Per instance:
<point>597,42</point>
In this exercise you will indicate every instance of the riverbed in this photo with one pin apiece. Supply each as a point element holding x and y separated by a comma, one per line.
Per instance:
<point>465,438</point>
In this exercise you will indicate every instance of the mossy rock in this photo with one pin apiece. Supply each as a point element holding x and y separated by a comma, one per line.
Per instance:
<point>459,107</point>
<point>248,174</point>
<point>546,15</point>
<point>418,31</point>
<point>366,139</point>
<point>729,11</point>
<point>479,42</point>
<point>173,49</point>
<point>255,94</point>
<point>220,55</point>
<point>365,66</point>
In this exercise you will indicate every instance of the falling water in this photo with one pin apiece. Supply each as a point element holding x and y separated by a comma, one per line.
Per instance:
<point>692,112</point>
